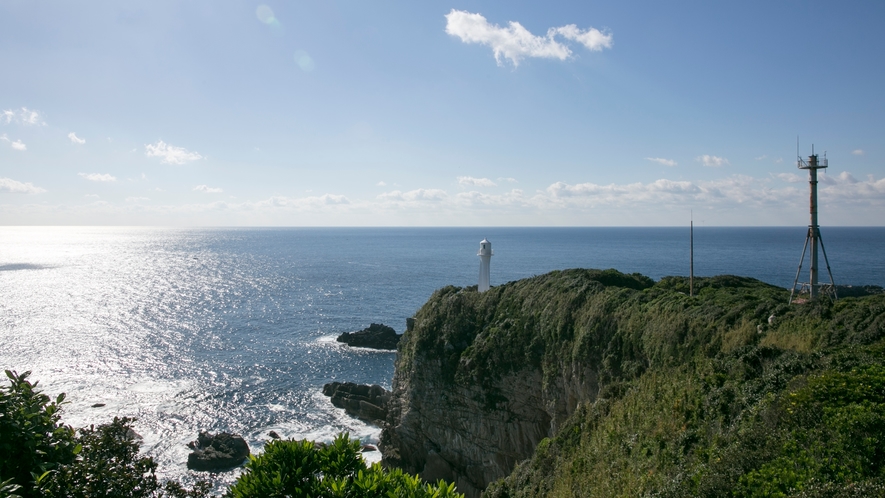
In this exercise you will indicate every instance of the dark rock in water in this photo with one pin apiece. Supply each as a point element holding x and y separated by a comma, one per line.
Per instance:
<point>97,405</point>
<point>376,336</point>
<point>368,403</point>
<point>273,434</point>
<point>222,451</point>
<point>369,447</point>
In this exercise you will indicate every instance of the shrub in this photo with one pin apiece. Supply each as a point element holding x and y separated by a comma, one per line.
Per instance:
<point>32,439</point>
<point>290,468</point>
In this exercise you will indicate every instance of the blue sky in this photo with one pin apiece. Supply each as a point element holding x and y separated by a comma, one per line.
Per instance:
<point>356,113</point>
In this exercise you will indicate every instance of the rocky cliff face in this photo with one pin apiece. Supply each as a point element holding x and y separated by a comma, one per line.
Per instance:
<point>481,379</point>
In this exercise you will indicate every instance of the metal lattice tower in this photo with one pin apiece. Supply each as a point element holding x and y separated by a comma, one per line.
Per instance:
<point>812,287</point>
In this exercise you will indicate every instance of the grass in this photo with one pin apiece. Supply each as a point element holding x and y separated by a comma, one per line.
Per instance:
<point>697,396</point>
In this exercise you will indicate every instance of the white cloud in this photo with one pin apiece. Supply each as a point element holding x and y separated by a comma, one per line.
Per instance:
<point>91,196</point>
<point>593,39</point>
<point>381,184</point>
<point>661,160</point>
<point>170,154</point>
<point>516,43</point>
<point>75,139</point>
<point>469,181</point>
<point>305,203</point>
<point>98,177</point>
<point>508,180</point>
<point>857,152</point>
<point>713,161</point>
<point>732,200</point>
<point>207,189</point>
<point>790,177</point>
<point>17,145</point>
<point>843,178</point>
<point>759,158</point>
<point>10,186</point>
<point>417,195</point>
<point>22,116</point>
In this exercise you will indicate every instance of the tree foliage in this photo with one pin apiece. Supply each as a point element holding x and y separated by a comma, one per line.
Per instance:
<point>39,456</point>
<point>290,468</point>
<point>33,441</point>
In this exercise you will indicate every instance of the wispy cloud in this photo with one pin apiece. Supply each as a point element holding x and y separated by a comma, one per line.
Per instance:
<point>417,195</point>
<point>842,178</point>
<point>381,184</point>
<point>98,177</point>
<point>857,152</point>
<point>22,116</point>
<point>469,181</point>
<point>713,161</point>
<point>759,158</point>
<point>75,139</point>
<point>10,186</point>
<point>170,154</point>
<point>17,145</point>
<point>790,177</point>
<point>661,160</point>
<point>516,42</point>
<point>508,180</point>
<point>137,199</point>
<point>208,190</point>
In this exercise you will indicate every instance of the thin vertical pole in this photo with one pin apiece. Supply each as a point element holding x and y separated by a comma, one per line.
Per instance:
<point>691,259</point>
<point>813,229</point>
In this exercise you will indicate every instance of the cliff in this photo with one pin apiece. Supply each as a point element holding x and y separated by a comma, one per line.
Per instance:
<point>531,370</point>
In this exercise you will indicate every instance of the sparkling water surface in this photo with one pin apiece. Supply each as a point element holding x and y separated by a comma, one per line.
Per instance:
<point>233,329</point>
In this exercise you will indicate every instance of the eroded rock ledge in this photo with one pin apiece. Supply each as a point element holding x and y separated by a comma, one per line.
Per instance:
<point>367,403</point>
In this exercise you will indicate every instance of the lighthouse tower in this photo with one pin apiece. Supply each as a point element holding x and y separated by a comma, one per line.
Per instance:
<point>485,258</point>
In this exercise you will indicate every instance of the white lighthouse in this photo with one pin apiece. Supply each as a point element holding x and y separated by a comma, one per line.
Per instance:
<point>485,259</point>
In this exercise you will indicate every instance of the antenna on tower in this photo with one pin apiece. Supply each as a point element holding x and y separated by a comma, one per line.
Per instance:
<point>812,287</point>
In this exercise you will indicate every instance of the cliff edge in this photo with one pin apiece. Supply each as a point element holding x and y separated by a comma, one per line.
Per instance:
<point>483,379</point>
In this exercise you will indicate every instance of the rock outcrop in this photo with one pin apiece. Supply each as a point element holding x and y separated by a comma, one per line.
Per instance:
<point>375,336</point>
<point>624,375</point>
<point>217,452</point>
<point>476,389</point>
<point>367,403</point>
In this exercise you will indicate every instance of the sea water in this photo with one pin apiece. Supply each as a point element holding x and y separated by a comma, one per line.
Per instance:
<point>233,329</point>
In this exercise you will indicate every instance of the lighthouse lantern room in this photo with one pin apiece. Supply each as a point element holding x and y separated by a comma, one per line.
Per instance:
<point>485,258</point>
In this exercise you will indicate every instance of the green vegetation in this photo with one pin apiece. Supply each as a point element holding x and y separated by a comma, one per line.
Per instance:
<point>304,468</point>
<point>698,396</point>
<point>39,456</point>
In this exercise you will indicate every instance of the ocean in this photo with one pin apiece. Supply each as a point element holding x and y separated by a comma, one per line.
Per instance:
<point>233,329</point>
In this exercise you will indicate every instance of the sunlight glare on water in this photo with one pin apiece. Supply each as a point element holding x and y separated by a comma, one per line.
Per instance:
<point>233,329</point>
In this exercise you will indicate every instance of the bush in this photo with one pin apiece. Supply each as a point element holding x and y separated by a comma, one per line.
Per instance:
<point>290,468</point>
<point>33,441</point>
<point>39,456</point>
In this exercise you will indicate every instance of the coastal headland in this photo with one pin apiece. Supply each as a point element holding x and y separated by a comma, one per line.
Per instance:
<point>599,383</point>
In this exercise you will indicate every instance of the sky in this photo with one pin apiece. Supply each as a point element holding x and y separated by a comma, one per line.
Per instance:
<point>439,113</point>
